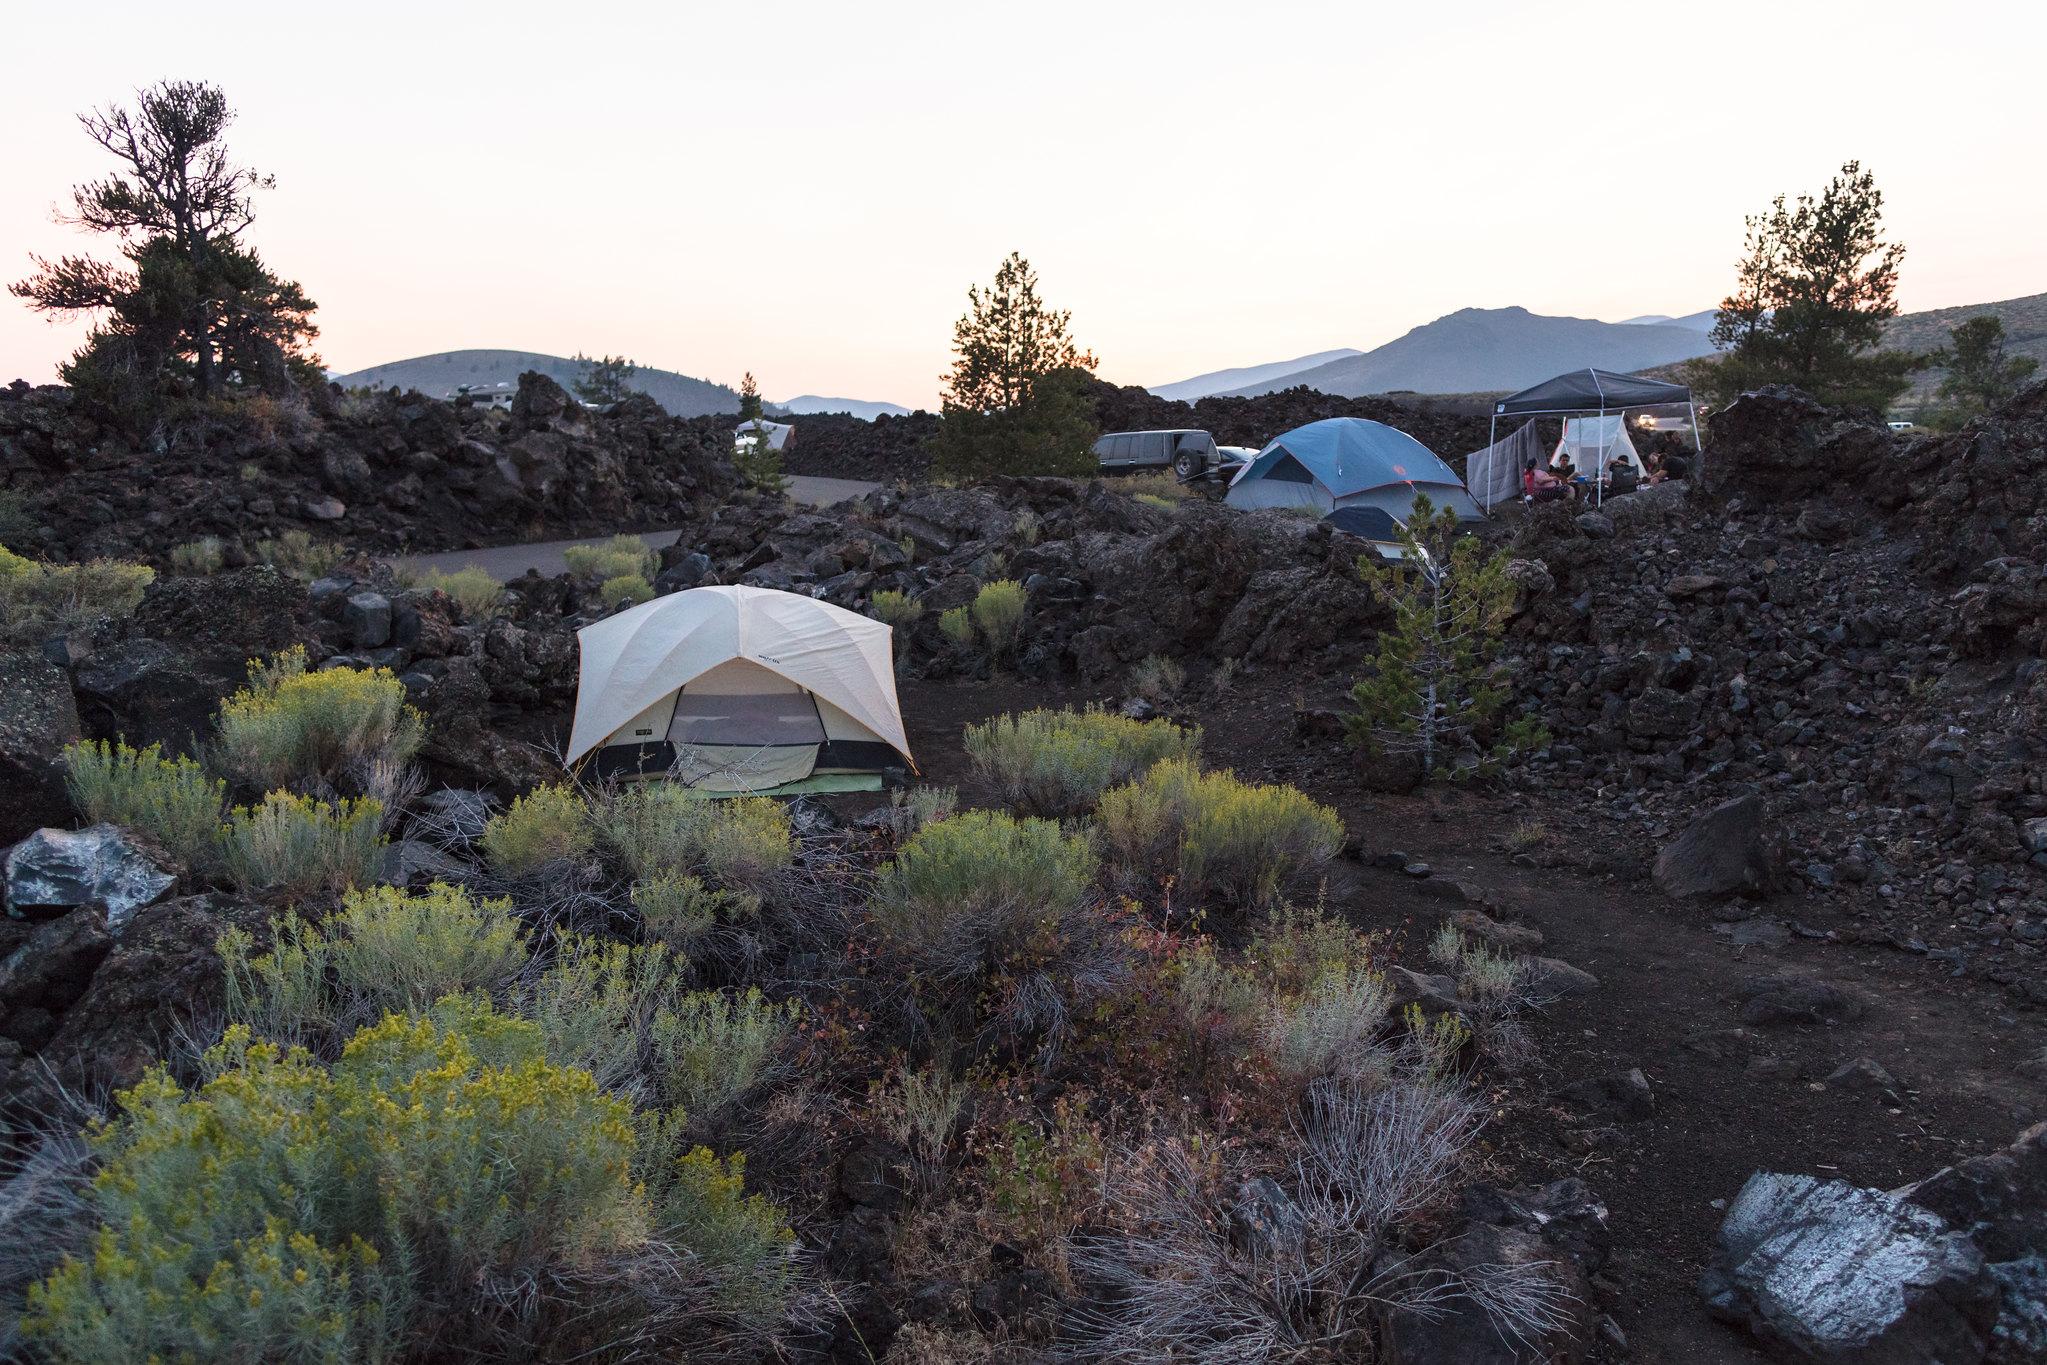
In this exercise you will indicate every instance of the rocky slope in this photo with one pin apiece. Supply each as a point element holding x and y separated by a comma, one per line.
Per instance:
<point>383,471</point>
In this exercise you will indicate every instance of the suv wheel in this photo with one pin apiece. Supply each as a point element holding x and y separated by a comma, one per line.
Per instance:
<point>1187,463</point>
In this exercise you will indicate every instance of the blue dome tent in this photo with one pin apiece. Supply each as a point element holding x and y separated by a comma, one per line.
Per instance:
<point>1361,475</point>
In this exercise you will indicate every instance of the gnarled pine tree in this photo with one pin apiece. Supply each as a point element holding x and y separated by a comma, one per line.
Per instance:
<point>193,309</point>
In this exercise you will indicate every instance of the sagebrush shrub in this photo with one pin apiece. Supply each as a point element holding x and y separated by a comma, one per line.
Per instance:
<point>548,824</point>
<point>956,625</point>
<point>676,908</point>
<point>1058,763</point>
<point>1242,842</point>
<point>999,612</point>
<point>710,1047</point>
<point>293,729</point>
<point>171,800</point>
<point>980,877</point>
<point>1330,1028</point>
<point>626,590</point>
<point>911,810</point>
<point>997,922</point>
<point>622,556</point>
<point>295,846</point>
<point>286,1211</point>
<point>742,842</point>
<point>383,951</point>
<point>700,1203</point>
<point>595,1004</point>
<point>476,592</point>
<point>748,841</point>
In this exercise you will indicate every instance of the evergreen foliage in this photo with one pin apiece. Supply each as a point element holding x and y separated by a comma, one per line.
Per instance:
<point>1015,400</point>
<point>1435,687</point>
<point>1817,283</point>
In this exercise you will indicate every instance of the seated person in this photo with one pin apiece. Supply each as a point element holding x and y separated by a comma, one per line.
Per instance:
<point>1622,477</point>
<point>1539,485</point>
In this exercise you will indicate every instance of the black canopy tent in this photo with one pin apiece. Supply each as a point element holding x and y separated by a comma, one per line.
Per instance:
<point>1591,392</point>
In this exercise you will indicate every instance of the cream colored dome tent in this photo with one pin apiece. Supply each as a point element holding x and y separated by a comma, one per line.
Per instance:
<point>736,689</point>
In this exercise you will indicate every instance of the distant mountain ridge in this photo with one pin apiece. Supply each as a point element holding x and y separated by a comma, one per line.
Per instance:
<point>865,409</point>
<point>1224,381</point>
<point>440,374</point>
<point>1482,350</point>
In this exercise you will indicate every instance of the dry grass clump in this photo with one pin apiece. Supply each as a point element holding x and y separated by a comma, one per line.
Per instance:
<point>479,595</point>
<point>171,800</point>
<point>298,555</point>
<point>1244,843</point>
<point>1173,1281</point>
<point>622,556</point>
<point>199,558</point>
<point>1157,679</point>
<point>39,600</point>
<point>1058,763</point>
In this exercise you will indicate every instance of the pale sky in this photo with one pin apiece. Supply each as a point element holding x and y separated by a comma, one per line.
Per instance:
<point>806,190</point>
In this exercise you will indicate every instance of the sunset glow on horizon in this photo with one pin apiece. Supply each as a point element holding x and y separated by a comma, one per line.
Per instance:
<point>806,191</point>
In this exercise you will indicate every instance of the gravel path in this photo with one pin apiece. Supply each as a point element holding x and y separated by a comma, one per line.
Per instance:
<point>506,562</point>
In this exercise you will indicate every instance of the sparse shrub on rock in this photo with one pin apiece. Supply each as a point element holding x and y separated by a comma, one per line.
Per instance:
<point>622,556</point>
<point>999,612</point>
<point>626,590</point>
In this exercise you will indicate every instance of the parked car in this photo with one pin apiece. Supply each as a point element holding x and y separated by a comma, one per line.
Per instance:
<point>1186,452</point>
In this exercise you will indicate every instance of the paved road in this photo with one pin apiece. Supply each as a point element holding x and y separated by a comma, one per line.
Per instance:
<point>506,562</point>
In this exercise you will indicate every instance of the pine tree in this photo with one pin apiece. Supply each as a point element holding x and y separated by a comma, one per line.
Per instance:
<point>604,380</point>
<point>753,450</point>
<point>1981,375</point>
<point>192,309</point>
<point>1015,400</point>
<point>1435,688</point>
<point>1816,284</point>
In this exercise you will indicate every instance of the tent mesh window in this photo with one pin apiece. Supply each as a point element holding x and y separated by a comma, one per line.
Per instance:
<point>760,719</point>
<point>1289,470</point>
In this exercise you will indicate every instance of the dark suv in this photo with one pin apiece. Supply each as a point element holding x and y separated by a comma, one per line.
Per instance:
<point>1187,452</point>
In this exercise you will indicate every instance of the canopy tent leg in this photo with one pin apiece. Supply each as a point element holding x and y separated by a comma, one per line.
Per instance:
<point>1492,438</point>
<point>1698,448</point>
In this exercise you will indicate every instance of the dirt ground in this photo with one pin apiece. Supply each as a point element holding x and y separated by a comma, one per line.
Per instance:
<point>1727,1102</point>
